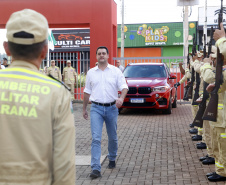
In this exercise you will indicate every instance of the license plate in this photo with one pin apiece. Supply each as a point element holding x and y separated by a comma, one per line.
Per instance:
<point>137,100</point>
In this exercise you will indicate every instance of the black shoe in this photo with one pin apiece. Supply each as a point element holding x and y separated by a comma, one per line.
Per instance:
<point>193,131</point>
<point>201,143</point>
<point>195,135</point>
<point>201,146</point>
<point>216,177</point>
<point>210,174</point>
<point>191,125</point>
<point>203,158</point>
<point>208,160</point>
<point>111,164</point>
<point>95,174</point>
<point>196,138</point>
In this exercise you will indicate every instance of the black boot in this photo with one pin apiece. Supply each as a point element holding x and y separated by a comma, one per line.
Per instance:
<point>111,164</point>
<point>196,138</point>
<point>208,160</point>
<point>199,143</point>
<point>201,146</point>
<point>193,131</point>
<point>216,178</point>
<point>210,174</point>
<point>95,174</point>
<point>203,158</point>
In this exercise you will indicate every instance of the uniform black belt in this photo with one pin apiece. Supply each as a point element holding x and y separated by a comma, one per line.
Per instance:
<point>104,104</point>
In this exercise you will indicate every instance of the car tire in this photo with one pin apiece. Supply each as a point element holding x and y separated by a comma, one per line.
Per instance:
<point>169,109</point>
<point>174,105</point>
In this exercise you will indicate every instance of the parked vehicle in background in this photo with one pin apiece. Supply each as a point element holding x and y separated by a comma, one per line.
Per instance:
<point>151,85</point>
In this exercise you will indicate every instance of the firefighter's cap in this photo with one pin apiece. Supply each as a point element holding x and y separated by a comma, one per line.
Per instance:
<point>30,23</point>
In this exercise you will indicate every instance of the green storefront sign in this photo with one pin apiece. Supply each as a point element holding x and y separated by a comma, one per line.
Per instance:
<point>156,34</point>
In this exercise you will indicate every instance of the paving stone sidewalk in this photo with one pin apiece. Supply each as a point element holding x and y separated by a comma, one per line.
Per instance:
<point>154,149</point>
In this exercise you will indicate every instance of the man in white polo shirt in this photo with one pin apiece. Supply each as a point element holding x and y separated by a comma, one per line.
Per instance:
<point>102,85</point>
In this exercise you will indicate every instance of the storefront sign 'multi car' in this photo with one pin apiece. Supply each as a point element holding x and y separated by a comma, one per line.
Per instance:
<point>72,40</point>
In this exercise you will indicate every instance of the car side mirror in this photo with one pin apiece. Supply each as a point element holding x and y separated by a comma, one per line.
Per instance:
<point>172,76</point>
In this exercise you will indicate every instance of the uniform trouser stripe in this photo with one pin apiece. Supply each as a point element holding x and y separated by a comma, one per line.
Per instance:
<point>219,165</point>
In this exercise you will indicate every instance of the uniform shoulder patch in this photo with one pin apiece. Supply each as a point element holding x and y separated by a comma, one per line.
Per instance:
<point>69,89</point>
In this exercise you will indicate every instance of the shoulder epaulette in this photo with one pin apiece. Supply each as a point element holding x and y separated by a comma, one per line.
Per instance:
<point>69,89</point>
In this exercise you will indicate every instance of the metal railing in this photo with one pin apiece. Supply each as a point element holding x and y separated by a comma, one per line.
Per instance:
<point>166,60</point>
<point>81,63</point>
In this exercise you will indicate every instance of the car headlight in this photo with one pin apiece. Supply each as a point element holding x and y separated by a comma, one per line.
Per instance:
<point>161,88</point>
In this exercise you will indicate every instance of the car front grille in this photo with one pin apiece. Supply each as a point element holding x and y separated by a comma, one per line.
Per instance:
<point>144,90</point>
<point>140,90</point>
<point>132,90</point>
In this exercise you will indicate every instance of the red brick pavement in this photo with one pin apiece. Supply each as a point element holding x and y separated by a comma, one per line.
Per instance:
<point>154,149</point>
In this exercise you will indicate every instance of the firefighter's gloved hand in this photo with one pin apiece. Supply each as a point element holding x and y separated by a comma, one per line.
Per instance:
<point>176,84</point>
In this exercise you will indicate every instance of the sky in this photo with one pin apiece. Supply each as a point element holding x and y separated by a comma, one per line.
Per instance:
<point>157,11</point>
<point>150,11</point>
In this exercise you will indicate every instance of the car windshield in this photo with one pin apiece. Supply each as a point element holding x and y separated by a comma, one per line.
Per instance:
<point>144,71</point>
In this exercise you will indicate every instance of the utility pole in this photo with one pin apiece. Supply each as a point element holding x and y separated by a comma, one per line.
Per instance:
<point>185,30</point>
<point>122,35</point>
<point>185,4</point>
<point>205,23</point>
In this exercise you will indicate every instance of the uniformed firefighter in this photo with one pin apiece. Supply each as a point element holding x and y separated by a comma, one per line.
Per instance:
<point>194,108</point>
<point>219,128</point>
<point>208,76</point>
<point>197,63</point>
<point>69,77</point>
<point>186,76</point>
<point>37,144</point>
<point>54,71</point>
<point>216,128</point>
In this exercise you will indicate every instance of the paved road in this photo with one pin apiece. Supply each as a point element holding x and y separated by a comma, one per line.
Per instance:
<point>154,149</point>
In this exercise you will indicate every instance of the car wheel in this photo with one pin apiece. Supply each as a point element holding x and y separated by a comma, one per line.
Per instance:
<point>169,109</point>
<point>174,105</point>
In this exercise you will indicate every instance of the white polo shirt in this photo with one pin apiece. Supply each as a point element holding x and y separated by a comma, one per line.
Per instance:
<point>103,86</point>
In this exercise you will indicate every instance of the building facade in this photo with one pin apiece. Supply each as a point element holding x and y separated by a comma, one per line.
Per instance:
<point>155,39</point>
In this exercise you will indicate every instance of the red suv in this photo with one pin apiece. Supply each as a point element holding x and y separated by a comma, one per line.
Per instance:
<point>151,85</point>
